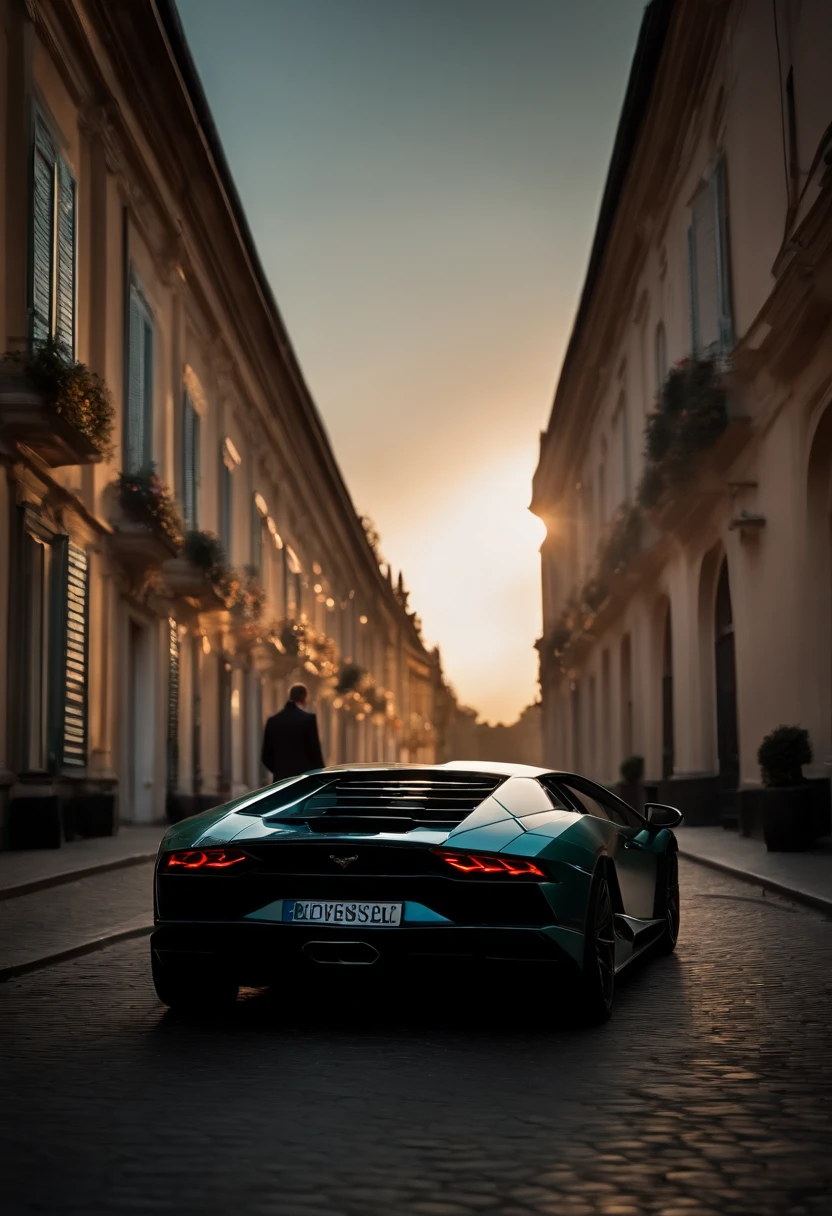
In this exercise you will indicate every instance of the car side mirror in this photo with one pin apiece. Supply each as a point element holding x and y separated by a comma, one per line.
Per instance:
<point>660,816</point>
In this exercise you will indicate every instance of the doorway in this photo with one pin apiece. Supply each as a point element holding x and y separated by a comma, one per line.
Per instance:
<point>727,729</point>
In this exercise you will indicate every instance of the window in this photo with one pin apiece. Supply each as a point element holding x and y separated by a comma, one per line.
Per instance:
<point>38,570</point>
<point>226,502</point>
<point>261,534</point>
<point>584,802</point>
<point>139,417</point>
<point>191,463</point>
<point>53,240</point>
<point>709,267</point>
<point>54,650</point>
<point>602,804</point>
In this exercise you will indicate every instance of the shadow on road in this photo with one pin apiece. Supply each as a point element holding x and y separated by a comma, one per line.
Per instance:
<point>485,1003</point>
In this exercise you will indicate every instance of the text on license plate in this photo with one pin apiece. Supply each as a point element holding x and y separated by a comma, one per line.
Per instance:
<point>323,912</point>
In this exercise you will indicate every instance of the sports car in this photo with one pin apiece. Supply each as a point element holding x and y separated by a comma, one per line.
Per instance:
<point>378,865</point>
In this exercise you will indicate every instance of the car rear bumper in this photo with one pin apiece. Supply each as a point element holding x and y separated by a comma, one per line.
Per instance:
<point>257,954</point>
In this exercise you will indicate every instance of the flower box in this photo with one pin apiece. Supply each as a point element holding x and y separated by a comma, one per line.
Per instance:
<point>27,418</point>
<point>191,582</point>
<point>139,548</point>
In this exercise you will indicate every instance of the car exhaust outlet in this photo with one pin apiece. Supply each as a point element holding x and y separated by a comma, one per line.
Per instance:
<point>350,954</point>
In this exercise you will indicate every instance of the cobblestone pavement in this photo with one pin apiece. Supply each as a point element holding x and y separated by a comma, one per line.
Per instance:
<point>707,1095</point>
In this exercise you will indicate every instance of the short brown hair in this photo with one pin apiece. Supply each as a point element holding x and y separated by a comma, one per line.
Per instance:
<point>298,692</point>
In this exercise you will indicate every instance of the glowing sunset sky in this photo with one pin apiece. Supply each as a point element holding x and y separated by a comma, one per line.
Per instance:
<point>422,178</point>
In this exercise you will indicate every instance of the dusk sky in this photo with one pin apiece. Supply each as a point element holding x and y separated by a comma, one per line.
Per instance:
<point>422,180</point>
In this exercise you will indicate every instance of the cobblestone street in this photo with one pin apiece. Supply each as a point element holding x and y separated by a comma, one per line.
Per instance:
<point>709,1093</point>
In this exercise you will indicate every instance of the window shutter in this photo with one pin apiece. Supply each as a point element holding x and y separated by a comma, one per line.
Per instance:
<point>196,463</point>
<point>226,490</point>
<point>65,278</point>
<point>256,537</point>
<point>75,686</point>
<point>147,395</point>
<point>188,415</point>
<point>694,318</point>
<point>43,233</point>
<point>723,251</point>
<point>173,707</point>
<point>135,387</point>
<point>707,279</point>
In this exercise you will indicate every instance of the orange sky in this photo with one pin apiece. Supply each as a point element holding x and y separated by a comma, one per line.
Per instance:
<point>422,181</point>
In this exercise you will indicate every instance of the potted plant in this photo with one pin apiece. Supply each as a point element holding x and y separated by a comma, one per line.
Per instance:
<point>788,811</point>
<point>60,409</point>
<point>630,788</point>
<point>147,529</point>
<point>199,572</point>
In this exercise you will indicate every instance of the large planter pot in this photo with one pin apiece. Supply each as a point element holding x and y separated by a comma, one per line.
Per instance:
<point>789,819</point>
<point>27,418</point>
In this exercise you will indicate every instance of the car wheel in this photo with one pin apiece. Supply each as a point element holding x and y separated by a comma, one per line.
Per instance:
<point>667,902</point>
<point>192,991</point>
<point>596,987</point>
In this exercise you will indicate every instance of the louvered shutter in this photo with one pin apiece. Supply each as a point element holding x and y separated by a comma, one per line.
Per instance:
<point>173,707</point>
<point>65,278</point>
<point>135,387</point>
<point>704,212</point>
<point>43,233</point>
<point>75,685</point>
<point>723,249</point>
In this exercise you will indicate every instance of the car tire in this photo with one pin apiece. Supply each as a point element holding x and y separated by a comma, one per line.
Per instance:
<point>190,991</point>
<point>596,985</point>
<point>667,902</point>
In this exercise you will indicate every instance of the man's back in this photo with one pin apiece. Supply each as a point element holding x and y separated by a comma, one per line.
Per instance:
<point>290,742</point>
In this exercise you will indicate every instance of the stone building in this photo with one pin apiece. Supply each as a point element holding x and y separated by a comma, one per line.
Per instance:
<point>136,675</point>
<point>684,476</point>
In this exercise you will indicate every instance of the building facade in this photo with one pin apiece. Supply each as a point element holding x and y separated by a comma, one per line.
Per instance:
<point>684,476</point>
<point>137,673</point>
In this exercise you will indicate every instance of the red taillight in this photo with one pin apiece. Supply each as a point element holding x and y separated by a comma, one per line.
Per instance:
<point>484,863</point>
<point>204,859</point>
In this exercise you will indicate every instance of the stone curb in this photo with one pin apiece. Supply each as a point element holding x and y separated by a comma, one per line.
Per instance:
<point>57,880</point>
<point>62,956</point>
<point>761,880</point>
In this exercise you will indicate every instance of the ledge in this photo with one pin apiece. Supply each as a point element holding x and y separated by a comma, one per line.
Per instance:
<point>29,421</point>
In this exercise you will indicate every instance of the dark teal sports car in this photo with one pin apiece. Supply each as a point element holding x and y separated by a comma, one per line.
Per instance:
<point>379,865</point>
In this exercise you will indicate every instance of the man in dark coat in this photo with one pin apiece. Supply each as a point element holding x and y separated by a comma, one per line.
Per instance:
<point>290,741</point>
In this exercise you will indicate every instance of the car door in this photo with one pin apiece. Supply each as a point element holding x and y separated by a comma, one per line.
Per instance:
<point>635,860</point>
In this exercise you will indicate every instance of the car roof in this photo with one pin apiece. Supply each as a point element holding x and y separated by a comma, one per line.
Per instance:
<point>499,769</point>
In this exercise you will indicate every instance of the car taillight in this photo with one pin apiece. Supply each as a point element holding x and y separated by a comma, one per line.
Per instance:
<point>204,859</point>
<point>484,863</point>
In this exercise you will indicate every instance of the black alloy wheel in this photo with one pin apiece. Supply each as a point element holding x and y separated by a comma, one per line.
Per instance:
<point>192,992</point>
<point>667,902</point>
<point>596,988</point>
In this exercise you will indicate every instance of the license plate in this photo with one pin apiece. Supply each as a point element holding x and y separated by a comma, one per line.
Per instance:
<point>348,915</point>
